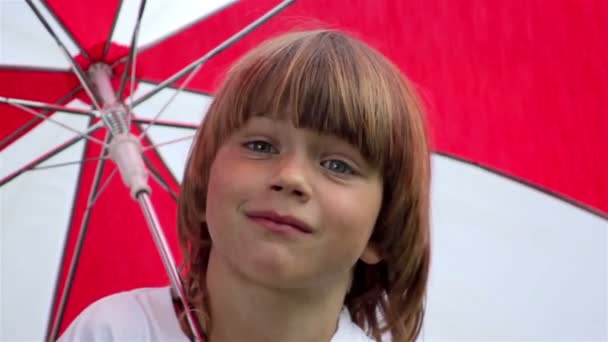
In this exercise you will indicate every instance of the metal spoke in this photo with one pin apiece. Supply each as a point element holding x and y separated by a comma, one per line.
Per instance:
<point>106,48</point>
<point>66,30</point>
<point>179,90</point>
<point>173,33</point>
<point>35,120</point>
<point>53,331</point>
<point>149,147</point>
<point>132,90</point>
<point>33,68</point>
<point>131,62</point>
<point>119,61</point>
<point>249,28</point>
<point>158,178</point>
<point>76,68</point>
<point>165,123</point>
<point>170,34</point>
<point>45,106</point>
<point>49,154</point>
<point>67,163</point>
<point>84,135</point>
<point>105,184</point>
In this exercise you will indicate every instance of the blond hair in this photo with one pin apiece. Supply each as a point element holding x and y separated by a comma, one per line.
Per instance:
<point>332,83</point>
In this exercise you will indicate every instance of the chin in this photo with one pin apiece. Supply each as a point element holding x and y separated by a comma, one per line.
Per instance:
<point>278,270</point>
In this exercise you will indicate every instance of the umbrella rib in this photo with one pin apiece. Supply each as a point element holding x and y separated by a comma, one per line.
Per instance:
<point>155,172</point>
<point>76,68</point>
<point>157,122</point>
<point>106,48</point>
<point>132,60</point>
<point>173,33</point>
<point>45,106</point>
<point>29,68</point>
<point>101,188</point>
<point>190,90</point>
<point>169,142</point>
<point>132,90</point>
<point>35,120</point>
<point>63,258</point>
<point>173,96</point>
<point>66,164</point>
<point>227,43</point>
<point>185,27</point>
<point>158,178</point>
<point>165,123</point>
<point>84,53</point>
<point>71,273</point>
<point>43,117</point>
<point>49,154</point>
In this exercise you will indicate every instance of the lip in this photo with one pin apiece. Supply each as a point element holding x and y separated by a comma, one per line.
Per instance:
<point>276,222</point>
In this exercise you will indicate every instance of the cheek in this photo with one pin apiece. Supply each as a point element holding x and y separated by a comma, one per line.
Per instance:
<point>221,213</point>
<point>228,188</point>
<point>220,177</point>
<point>217,190</point>
<point>354,213</point>
<point>215,184</point>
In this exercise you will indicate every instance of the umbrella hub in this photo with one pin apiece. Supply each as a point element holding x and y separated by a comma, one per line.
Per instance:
<point>116,118</point>
<point>125,149</point>
<point>114,113</point>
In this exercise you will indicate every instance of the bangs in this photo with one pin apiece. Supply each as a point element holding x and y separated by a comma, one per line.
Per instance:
<point>333,88</point>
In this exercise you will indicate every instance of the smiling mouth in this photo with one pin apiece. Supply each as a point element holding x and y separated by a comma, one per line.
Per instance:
<point>278,223</point>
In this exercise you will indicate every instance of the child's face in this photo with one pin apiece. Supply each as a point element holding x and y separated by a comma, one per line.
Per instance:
<point>269,172</point>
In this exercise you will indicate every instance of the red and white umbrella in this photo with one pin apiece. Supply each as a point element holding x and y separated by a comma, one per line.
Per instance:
<point>516,99</point>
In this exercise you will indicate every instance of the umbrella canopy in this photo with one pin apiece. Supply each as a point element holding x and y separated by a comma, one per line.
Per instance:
<point>515,96</point>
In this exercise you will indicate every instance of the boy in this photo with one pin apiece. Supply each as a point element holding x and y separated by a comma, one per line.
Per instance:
<point>304,210</point>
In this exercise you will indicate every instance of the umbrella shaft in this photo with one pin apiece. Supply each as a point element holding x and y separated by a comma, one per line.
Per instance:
<point>101,75</point>
<point>163,248</point>
<point>114,114</point>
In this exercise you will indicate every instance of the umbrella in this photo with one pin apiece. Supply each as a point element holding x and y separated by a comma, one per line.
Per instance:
<point>514,95</point>
<point>99,77</point>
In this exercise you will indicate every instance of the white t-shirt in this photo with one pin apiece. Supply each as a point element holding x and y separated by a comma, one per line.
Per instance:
<point>147,314</point>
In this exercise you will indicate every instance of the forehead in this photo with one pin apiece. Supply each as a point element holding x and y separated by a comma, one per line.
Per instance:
<point>332,119</point>
<point>333,87</point>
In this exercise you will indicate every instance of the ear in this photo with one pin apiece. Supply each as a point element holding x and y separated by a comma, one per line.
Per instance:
<point>371,254</point>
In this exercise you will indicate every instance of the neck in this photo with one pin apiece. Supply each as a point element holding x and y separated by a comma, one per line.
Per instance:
<point>242,310</point>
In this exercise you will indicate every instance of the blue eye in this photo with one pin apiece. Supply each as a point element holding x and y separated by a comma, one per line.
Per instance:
<point>337,166</point>
<point>260,146</point>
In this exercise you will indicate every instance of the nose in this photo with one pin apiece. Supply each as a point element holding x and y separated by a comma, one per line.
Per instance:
<point>292,178</point>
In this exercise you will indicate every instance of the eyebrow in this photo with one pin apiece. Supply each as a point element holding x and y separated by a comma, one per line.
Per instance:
<point>276,124</point>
